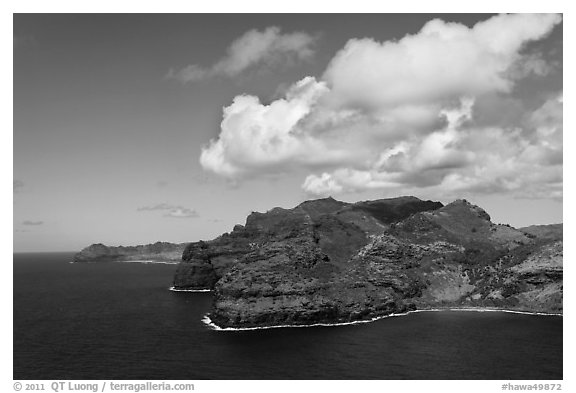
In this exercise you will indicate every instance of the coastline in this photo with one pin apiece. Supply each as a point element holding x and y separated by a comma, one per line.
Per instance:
<point>144,261</point>
<point>188,290</point>
<point>208,322</point>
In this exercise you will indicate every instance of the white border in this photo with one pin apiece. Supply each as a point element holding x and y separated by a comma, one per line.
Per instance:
<point>423,6</point>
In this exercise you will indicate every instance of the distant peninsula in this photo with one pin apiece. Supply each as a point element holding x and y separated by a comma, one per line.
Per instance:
<point>328,262</point>
<point>159,252</point>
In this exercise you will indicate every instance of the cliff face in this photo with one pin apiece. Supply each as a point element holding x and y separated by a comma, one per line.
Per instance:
<point>157,252</point>
<point>327,262</point>
<point>336,227</point>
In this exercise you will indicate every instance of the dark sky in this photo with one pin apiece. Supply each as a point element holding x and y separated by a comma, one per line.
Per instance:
<point>112,114</point>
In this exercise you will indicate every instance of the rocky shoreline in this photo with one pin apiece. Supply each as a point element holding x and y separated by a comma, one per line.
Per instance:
<point>208,322</point>
<point>173,289</point>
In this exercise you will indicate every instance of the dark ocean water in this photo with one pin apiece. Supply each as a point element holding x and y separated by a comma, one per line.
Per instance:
<point>120,321</point>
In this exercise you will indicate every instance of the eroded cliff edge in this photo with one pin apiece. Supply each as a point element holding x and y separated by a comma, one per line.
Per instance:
<point>326,261</point>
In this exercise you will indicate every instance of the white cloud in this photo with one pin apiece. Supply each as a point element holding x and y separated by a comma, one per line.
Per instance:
<point>400,115</point>
<point>325,184</point>
<point>172,211</point>
<point>253,48</point>
<point>525,162</point>
<point>347,179</point>
<point>181,212</point>
<point>442,60</point>
<point>547,121</point>
<point>254,135</point>
<point>32,223</point>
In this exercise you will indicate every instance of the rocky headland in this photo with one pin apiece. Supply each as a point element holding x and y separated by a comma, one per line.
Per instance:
<point>159,252</point>
<point>326,261</point>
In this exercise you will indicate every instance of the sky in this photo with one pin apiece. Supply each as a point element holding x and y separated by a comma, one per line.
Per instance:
<point>131,129</point>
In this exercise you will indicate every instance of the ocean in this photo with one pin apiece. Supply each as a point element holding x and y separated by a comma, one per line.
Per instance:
<point>121,321</point>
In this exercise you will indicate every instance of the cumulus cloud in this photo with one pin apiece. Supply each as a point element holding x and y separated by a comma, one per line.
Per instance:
<point>171,211</point>
<point>524,161</point>
<point>269,46</point>
<point>441,60</point>
<point>254,135</point>
<point>408,115</point>
<point>32,223</point>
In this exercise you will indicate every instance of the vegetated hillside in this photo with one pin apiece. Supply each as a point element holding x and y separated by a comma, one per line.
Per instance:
<point>329,261</point>
<point>548,232</point>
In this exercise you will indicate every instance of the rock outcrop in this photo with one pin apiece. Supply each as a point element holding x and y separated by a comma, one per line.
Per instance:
<point>327,261</point>
<point>156,252</point>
